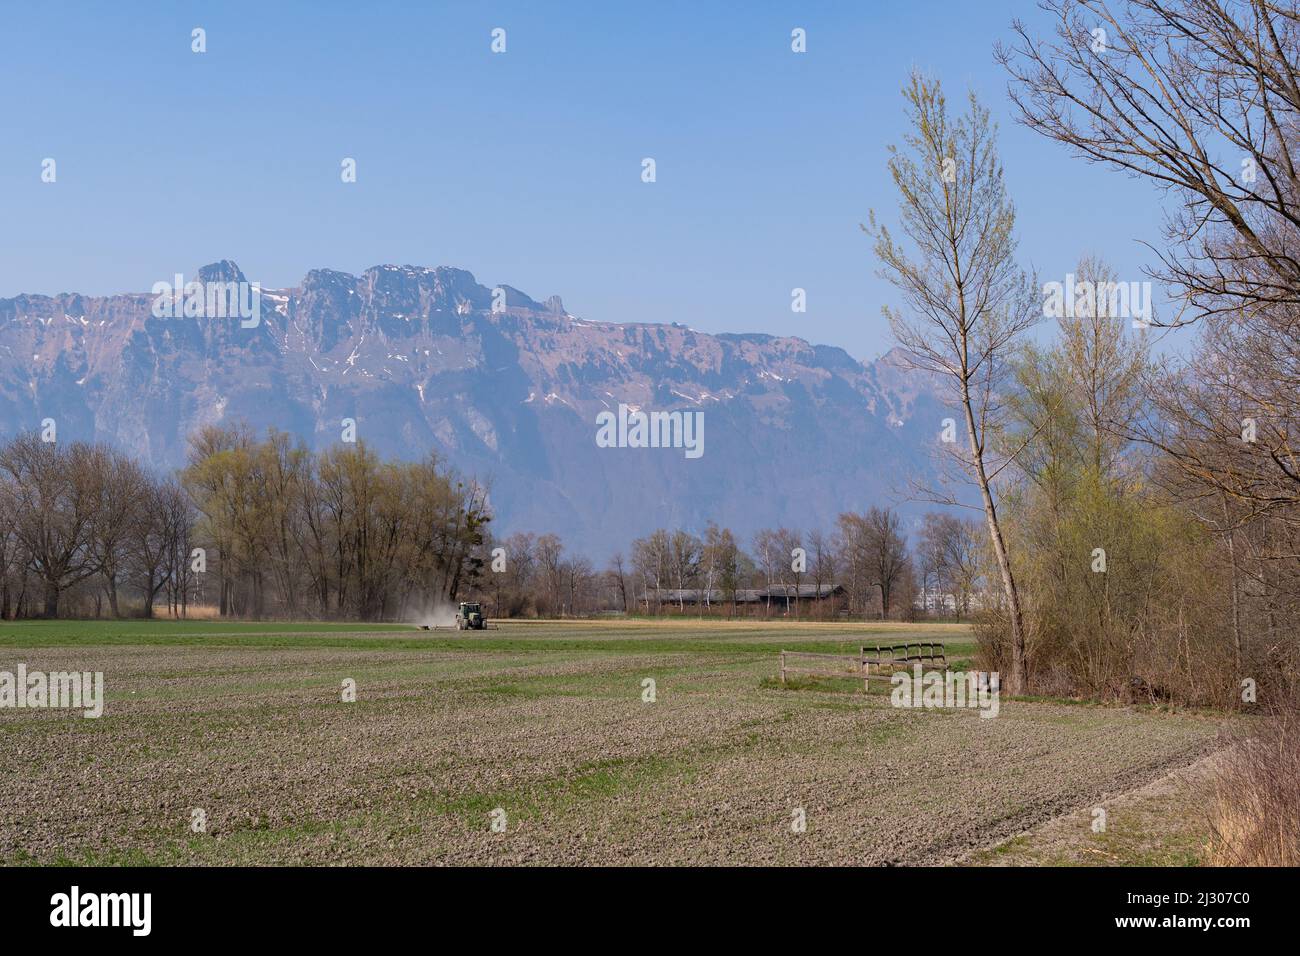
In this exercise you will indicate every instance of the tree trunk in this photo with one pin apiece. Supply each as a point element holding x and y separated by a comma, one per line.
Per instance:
<point>1017,682</point>
<point>51,600</point>
<point>112,595</point>
<point>1236,591</point>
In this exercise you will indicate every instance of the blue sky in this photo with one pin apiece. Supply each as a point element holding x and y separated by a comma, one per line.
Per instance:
<point>522,167</point>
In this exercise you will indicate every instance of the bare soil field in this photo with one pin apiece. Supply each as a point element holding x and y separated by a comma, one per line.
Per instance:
<point>534,743</point>
<point>1165,823</point>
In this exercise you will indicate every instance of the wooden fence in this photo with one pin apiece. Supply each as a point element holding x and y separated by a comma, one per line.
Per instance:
<point>810,664</point>
<point>820,665</point>
<point>888,655</point>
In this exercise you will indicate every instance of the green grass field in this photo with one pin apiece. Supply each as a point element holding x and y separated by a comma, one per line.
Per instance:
<point>545,728</point>
<point>617,637</point>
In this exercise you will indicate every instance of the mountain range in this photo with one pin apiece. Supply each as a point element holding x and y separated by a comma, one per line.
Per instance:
<point>505,388</point>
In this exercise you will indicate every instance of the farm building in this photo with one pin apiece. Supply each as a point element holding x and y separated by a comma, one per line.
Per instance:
<point>780,596</point>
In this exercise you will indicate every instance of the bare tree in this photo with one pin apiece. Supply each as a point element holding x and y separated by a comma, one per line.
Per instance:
<point>950,546</point>
<point>52,495</point>
<point>887,554</point>
<point>789,572</point>
<point>824,562</point>
<point>851,542</point>
<point>178,521</point>
<point>722,559</point>
<point>684,554</point>
<point>1202,99</point>
<point>965,300</point>
<point>549,552</point>
<point>579,578</point>
<point>521,566</point>
<point>931,554</point>
<point>618,575</point>
<point>150,542</point>
<point>650,561</point>
<point>767,551</point>
<point>121,490</point>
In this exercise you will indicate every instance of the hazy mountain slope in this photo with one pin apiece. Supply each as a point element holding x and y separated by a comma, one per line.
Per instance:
<point>793,433</point>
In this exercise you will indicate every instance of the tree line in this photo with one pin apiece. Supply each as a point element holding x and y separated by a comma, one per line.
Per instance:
<point>255,528</point>
<point>87,521</point>
<point>336,533</point>
<point>265,527</point>
<point>1142,514</point>
<point>882,572</point>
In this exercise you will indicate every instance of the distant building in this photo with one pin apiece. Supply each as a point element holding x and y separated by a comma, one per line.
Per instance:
<point>943,602</point>
<point>932,599</point>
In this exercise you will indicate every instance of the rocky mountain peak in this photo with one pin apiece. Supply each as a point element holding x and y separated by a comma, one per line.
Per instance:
<point>223,271</point>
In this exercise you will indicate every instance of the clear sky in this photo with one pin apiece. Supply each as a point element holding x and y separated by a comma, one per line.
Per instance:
<point>523,167</point>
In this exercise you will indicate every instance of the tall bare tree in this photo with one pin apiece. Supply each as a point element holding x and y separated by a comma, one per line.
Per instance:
<point>965,300</point>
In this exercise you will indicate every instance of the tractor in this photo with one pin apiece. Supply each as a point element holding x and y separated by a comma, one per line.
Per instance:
<point>469,617</point>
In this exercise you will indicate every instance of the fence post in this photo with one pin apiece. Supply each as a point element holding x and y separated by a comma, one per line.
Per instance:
<point>783,668</point>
